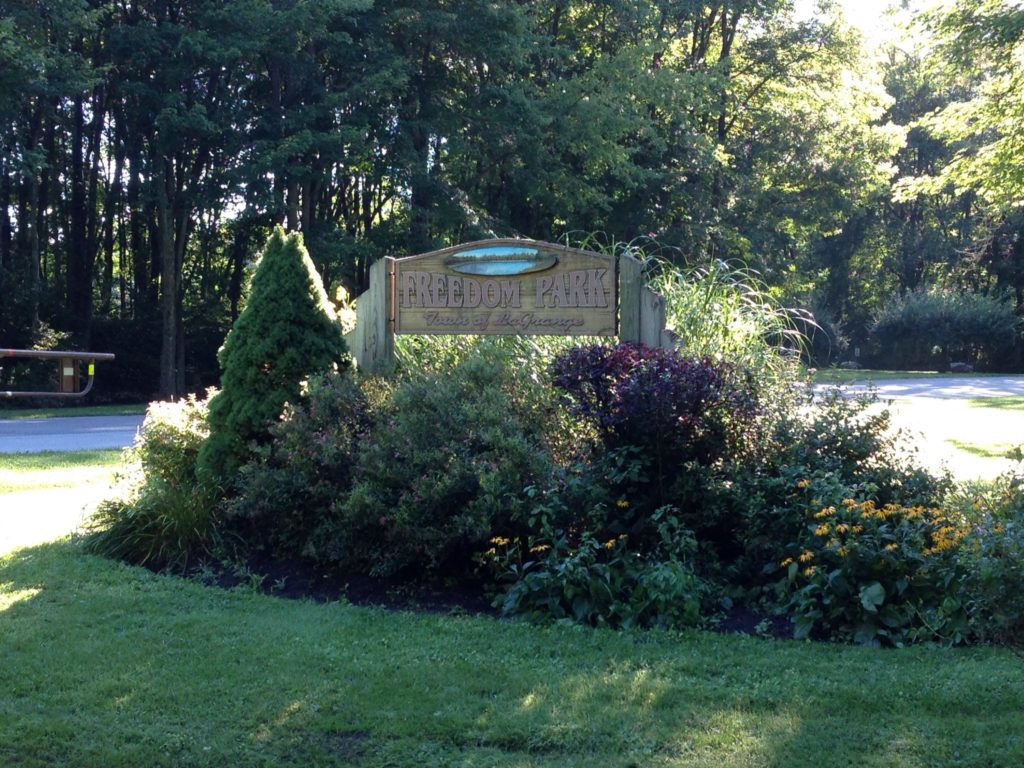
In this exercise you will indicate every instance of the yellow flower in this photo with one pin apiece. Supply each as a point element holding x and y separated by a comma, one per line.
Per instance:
<point>787,562</point>
<point>810,571</point>
<point>806,556</point>
<point>842,528</point>
<point>826,512</point>
<point>945,538</point>
<point>822,530</point>
<point>843,551</point>
<point>622,503</point>
<point>499,541</point>
<point>803,483</point>
<point>891,547</point>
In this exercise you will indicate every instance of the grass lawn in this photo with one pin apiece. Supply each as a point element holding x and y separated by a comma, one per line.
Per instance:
<point>1006,403</point>
<point>57,469</point>
<point>74,410</point>
<point>106,665</point>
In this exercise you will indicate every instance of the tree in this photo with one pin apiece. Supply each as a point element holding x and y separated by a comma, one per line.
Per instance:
<point>286,332</point>
<point>981,44</point>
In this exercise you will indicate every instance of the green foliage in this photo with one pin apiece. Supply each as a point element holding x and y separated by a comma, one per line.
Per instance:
<point>935,326</point>
<point>725,312</point>
<point>287,332</point>
<point>978,41</point>
<point>878,575</point>
<point>992,554</point>
<point>164,517</point>
<point>291,483</point>
<point>816,452</point>
<point>563,574</point>
<point>443,469</point>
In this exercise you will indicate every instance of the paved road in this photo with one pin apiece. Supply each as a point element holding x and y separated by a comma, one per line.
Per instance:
<point>954,387</point>
<point>946,429</point>
<point>68,433</point>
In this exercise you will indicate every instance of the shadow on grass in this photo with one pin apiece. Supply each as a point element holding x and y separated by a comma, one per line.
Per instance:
<point>106,665</point>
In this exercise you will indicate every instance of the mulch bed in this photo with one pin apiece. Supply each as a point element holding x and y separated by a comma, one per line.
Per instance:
<point>297,580</point>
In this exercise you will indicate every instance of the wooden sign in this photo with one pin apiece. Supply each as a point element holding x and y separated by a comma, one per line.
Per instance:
<point>506,287</point>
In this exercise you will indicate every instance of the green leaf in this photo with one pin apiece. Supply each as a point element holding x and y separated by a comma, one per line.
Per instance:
<point>872,596</point>
<point>802,627</point>
<point>866,634</point>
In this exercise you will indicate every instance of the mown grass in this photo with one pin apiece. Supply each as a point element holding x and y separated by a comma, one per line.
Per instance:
<point>57,469</point>
<point>106,665</point>
<point>1005,402</point>
<point>999,450</point>
<point>137,409</point>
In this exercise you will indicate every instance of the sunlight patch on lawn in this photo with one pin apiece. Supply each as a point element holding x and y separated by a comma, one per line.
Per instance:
<point>12,481</point>
<point>28,518</point>
<point>972,443</point>
<point>9,598</point>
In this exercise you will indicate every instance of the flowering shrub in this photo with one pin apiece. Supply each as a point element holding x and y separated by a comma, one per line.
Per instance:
<point>561,575</point>
<point>878,575</point>
<point>993,556</point>
<point>813,455</point>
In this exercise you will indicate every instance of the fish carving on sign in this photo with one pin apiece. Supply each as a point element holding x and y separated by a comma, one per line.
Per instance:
<point>501,260</point>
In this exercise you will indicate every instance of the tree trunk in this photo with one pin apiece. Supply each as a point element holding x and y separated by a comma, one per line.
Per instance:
<point>168,282</point>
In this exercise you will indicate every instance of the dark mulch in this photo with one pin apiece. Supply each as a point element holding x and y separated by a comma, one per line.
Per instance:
<point>742,620</point>
<point>297,580</point>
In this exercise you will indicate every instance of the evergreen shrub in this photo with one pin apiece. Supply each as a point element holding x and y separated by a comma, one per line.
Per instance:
<point>287,332</point>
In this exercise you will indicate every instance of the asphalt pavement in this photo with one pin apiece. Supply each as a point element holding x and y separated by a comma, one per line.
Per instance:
<point>68,433</point>
<point>949,387</point>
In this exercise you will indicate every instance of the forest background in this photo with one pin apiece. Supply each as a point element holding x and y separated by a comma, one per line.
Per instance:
<point>148,148</point>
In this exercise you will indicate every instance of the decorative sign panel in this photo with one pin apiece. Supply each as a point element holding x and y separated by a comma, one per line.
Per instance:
<point>506,287</point>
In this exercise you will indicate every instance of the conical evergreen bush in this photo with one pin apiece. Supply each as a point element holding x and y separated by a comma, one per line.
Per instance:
<point>287,331</point>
